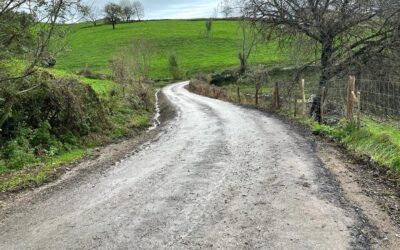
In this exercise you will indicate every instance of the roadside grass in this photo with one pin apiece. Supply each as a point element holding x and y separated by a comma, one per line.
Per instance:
<point>38,174</point>
<point>93,47</point>
<point>379,141</point>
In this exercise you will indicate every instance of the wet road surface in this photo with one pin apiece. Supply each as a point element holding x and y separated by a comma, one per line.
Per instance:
<point>218,176</point>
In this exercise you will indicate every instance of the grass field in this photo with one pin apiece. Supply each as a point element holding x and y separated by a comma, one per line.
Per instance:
<point>95,46</point>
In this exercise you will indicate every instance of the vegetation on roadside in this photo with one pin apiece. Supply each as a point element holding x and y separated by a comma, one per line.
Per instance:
<point>49,116</point>
<point>380,142</point>
<point>61,120</point>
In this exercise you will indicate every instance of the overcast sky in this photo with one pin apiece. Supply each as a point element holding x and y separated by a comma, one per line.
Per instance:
<point>172,9</point>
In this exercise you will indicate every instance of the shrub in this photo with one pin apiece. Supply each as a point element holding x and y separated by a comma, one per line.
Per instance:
<point>225,77</point>
<point>48,60</point>
<point>208,27</point>
<point>174,68</point>
<point>65,104</point>
<point>86,72</point>
<point>18,155</point>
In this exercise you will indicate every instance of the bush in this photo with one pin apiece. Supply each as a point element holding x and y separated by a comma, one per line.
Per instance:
<point>18,155</point>
<point>48,60</point>
<point>67,106</point>
<point>86,72</point>
<point>57,110</point>
<point>174,68</point>
<point>225,77</point>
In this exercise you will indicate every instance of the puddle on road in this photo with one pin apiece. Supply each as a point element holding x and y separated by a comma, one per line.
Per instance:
<point>155,120</point>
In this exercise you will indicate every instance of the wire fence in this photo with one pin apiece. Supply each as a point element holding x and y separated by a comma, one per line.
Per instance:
<point>373,99</point>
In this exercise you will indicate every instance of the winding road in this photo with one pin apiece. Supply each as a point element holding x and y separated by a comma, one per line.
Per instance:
<point>216,176</point>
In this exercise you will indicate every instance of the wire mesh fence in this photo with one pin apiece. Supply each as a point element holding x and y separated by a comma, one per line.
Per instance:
<point>374,99</point>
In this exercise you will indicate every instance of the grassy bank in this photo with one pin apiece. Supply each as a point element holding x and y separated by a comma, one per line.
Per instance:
<point>94,46</point>
<point>34,145</point>
<point>378,141</point>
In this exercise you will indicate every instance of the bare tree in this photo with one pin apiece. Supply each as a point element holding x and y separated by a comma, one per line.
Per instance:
<point>226,8</point>
<point>11,5</point>
<point>248,41</point>
<point>138,9</point>
<point>142,52</point>
<point>249,36</point>
<point>90,13</point>
<point>208,25</point>
<point>127,9</point>
<point>259,76</point>
<point>347,33</point>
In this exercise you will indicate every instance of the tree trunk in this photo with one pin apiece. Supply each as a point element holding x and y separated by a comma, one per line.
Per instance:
<point>113,24</point>
<point>243,63</point>
<point>7,110</point>
<point>238,94</point>
<point>327,51</point>
<point>257,93</point>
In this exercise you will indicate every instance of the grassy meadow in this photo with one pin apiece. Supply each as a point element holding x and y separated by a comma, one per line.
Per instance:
<point>94,46</point>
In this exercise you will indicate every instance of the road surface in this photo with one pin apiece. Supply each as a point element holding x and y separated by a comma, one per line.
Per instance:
<point>218,176</point>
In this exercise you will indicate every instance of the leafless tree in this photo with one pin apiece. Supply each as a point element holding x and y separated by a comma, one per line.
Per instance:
<point>11,5</point>
<point>90,13</point>
<point>128,10</point>
<point>226,8</point>
<point>347,32</point>
<point>138,10</point>
<point>249,35</point>
<point>142,51</point>
<point>208,25</point>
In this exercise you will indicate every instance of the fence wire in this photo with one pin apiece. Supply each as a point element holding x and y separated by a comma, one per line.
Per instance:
<point>379,99</point>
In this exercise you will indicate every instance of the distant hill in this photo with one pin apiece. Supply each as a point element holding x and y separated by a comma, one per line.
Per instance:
<point>94,45</point>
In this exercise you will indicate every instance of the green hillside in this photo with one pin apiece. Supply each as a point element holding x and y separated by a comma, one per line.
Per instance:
<point>94,46</point>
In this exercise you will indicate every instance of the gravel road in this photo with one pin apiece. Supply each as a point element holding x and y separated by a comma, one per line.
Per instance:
<point>216,176</point>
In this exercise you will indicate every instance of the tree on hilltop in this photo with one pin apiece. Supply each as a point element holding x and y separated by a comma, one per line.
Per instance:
<point>113,12</point>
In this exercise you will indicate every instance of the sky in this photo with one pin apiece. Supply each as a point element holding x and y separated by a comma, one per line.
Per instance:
<point>172,9</point>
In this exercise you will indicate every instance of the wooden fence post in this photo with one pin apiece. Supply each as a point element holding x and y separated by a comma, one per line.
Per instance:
<point>303,98</point>
<point>238,94</point>
<point>275,99</point>
<point>351,87</point>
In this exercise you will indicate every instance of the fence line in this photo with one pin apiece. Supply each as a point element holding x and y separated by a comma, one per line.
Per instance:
<point>375,99</point>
